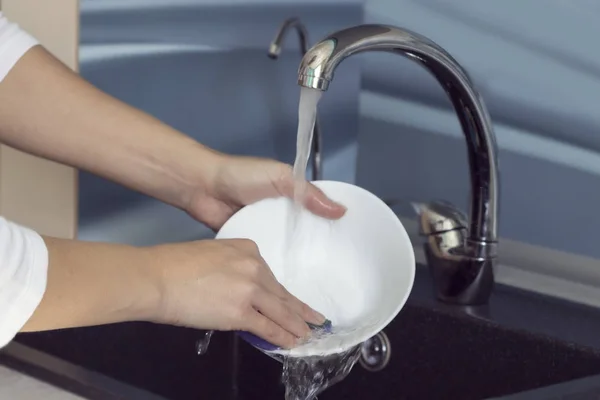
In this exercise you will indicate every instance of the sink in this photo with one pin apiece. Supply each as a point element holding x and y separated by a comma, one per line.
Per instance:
<point>159,359</point>
<point>520,342</point>
<point>437,355</point>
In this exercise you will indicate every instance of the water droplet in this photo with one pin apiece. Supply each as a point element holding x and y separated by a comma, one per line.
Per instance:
<point>203,343</point>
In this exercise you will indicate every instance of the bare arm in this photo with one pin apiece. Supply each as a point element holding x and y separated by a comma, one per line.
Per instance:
<point>210,284</point>
<point>93,284</point>
<point>48,110</point>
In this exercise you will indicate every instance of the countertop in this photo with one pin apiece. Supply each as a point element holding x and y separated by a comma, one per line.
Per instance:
<point>15,385</point>
<point>580,389</point>
<point>36,375</point>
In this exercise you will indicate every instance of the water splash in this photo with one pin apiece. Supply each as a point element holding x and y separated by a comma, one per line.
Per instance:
<point>203,343</point>
<point>306,377</point>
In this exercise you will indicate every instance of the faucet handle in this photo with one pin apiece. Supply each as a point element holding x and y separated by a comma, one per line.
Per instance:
<point>460,275</point>
<point>438,217</point>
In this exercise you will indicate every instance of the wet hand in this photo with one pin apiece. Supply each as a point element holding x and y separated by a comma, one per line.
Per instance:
<point>239,181</point>
<point>226,285</point>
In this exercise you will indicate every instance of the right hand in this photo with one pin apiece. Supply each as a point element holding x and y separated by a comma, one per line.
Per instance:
<point>226,285</point>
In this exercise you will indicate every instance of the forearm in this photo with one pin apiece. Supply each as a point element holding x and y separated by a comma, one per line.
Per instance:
<point>94,283</point>
<point>49,111</point>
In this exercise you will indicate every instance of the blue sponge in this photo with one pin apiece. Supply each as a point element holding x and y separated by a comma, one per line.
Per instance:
<point>266,346</point>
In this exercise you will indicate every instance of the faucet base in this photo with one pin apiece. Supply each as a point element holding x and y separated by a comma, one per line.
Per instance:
<point>462,270</point>
<point>460,280</point>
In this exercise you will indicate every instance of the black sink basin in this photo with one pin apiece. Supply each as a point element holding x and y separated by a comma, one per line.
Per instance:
<point>521,342</point>
<point>435,355</point>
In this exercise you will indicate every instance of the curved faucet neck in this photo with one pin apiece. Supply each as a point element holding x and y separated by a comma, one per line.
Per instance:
<point>317,70</point>
<point>289,23</point>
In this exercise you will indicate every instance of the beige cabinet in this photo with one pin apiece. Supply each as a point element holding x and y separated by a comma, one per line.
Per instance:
<point>36,192</point>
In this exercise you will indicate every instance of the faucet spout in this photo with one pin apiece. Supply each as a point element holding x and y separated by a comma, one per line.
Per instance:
<point>463,263</point>
<point>274,51</point>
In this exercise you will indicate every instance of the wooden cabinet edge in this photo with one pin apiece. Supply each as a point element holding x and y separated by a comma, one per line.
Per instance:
<point>35,192</point>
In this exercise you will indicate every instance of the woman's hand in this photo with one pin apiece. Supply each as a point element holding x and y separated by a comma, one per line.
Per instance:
<point>239,181</point>
<point>208,284</point>
<point>226,285</point>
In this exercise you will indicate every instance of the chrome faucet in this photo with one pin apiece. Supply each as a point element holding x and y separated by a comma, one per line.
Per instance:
<point>274,51</point>
<point>460,254</point>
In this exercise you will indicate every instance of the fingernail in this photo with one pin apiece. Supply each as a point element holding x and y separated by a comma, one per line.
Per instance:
<point>320,318</point>
<point>342,208</point>
<point>324,324</point>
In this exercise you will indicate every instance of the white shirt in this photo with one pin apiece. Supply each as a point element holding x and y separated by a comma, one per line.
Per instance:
<point>23,253</point>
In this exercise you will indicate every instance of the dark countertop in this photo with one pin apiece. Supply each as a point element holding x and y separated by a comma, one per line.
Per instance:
<point>523,310</point>
<point>578,389</point>
<point>561,337</point>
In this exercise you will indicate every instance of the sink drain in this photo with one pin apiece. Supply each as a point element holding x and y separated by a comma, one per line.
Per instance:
<point>376,352</point>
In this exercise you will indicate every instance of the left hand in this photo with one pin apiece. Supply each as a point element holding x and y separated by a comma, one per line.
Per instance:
<point>239,181</point>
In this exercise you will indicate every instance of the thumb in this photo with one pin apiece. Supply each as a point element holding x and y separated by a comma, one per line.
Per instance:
<point>314,199</point>
<point>318,203</point>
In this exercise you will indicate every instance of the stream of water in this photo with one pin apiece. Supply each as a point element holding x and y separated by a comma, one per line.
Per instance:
<point>305,377</point>
<point>307,117</point>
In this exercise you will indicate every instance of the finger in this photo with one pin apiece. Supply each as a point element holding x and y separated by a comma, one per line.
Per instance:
<point>263,327</point>
<point>298,306</point>
<point>307,313</point>
<point>318,203</point>
<point>314,200</point>
<point>260,273</point>
<point>278,311</point>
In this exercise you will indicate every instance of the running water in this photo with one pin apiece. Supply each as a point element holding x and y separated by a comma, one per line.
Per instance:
<point>203,343</point>
<point>307,117</point>
<point>305,377</point>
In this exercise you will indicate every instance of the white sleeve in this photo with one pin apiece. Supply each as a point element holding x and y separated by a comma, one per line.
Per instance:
<point>14,42</point>
<point>23,275</point>
<point>23,253</point>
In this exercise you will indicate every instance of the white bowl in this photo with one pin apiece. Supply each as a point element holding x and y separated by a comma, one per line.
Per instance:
<point>357,271</point>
